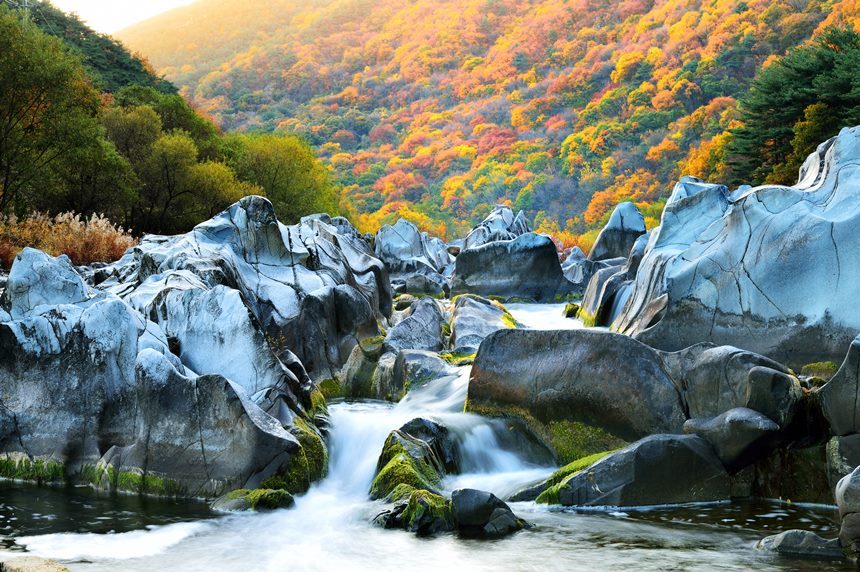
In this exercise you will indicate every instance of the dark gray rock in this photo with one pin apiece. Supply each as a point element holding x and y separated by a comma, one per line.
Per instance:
<point>405,249</point>
<point>840,397</point>
<point>733,434</point>
<point>802,544</point>
<point>443,444</point>
<point>473,319</point>
<point>597,378</point>
<point>660,469</point>
<point>526,267</point>
<point>715,379</point>
<point>421,330</point>
<point>625,226</point>
<point>479,514</point>
<point>501,224</point>
<point>416,368</point>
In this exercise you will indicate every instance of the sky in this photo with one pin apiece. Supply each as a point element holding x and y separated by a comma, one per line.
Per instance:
<point>108,16</point>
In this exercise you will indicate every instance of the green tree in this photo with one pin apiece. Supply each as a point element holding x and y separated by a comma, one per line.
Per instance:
<point>132,130</point>
<point>165,183</point>
<point>215,187</point>
<point>288,172</point>
<point>48,109</point>
<point>794,104</point>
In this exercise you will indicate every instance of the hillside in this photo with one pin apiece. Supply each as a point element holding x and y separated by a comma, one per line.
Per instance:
<point>436,110</point>
<point>109,63</point>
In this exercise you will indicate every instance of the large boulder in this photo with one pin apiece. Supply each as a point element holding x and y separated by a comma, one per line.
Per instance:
<point>801,544</point>
<point>767,269</point>
<point>840,397</point>
<point>417,263</point>
<point>525,267</point>
<point>598,378</point>
<point>294,280</point>
<point>624,228</point>
<point>501,224</point>
<point>479,514</point>
<point>734,433</point>
<point>848,501</point>
<point>473,319</point>
<point>660,469</point>
<point>421,330</point>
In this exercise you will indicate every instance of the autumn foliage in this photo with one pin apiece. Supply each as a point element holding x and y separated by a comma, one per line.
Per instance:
<point>440,109</point>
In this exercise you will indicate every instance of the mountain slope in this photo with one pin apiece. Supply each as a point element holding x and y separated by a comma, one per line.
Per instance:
<point>437,109</point>
<point>108,62</point>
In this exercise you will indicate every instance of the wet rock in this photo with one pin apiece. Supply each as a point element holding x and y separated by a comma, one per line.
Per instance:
<point>843,455</point>
<point>405,249</point>
<point>406,464</point>
<point>761,268</point>
<point>444,446</point>
<point>253,499</point>
<point>802,544</point>
<point>473,319</point>
<point>610,285</point>
<point>293,280</point>
<point>501,224</point>
<point>840,397</point>
<point>625,226</point>
<point>660,469</point>
<point>601,379</point>
<point>716,379</point>
<point>526,267</point>
<point>423,513</point>
<point>479,514</point>
<point>733,434</point>
<point>421,330</point>
<point>417,368</point>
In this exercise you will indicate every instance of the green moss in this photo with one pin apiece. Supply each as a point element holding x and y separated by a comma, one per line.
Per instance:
<point>331,388</point>
<point>144,484</point>
<point>823,369</point>
<point>318,404</point>
<point>401,468</point>
<point>571,310</point>
<point>371,344</point>
<point>560,477</point>
<point>263,499</point>
<point>569,440</point>
<point>424,505</point>
<point>446,329</point>
<point>22,468</point>
<point>458,358</point>
<point>588,319</point>
<point>400,493</point>
<point>507,318</point>
<point>309,464</point>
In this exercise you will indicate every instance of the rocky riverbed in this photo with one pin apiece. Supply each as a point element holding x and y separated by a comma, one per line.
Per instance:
<point>319,386</point>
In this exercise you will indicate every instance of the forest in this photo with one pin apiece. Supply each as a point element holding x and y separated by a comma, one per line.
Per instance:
<point>436,110</point>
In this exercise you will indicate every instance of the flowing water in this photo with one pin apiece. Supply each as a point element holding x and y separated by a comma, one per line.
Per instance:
<point>330,527</point>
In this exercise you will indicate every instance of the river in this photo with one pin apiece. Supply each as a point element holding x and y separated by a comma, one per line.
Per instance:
<point>330,527</point>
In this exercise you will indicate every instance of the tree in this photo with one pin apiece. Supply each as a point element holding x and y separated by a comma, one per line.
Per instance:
<point>782,118</point>
<point>215,187</point>
<point>48,110</point>
<point>132,130</point>
<point>165,183</point>
<point>288,172</point>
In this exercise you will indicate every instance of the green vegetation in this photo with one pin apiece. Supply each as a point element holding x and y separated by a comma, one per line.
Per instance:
<point>458,358</point>
<point>331,388</point>
<point>399,466</point>
<point>794,104</point>
<point>142,156</point>
<point>571,310</point>
<point>558,481</point>
<point>823,369</point>
<point>263,498</point>
<point>569,440</point>
<point>20,467</point>
<point>426,507</point>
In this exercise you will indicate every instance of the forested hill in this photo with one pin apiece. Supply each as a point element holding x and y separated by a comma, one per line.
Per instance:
<point>110,65</point>
<point>437,109</point>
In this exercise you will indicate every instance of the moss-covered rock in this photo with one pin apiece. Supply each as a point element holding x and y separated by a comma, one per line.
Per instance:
<point>254,499</point>
<point>331,388</point>
<point>552,485</point>
<point>822,369</point>
<point>427,513</point>
<point>405,460</point>
<point>568,440</point>
<point>571,310</point>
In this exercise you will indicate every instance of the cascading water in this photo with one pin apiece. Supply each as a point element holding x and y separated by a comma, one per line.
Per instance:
<point>330,527</point>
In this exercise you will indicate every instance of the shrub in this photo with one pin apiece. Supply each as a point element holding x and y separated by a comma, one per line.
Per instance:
<point>84,241</point>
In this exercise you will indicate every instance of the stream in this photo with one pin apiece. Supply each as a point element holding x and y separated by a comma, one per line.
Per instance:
<point>330,527</point>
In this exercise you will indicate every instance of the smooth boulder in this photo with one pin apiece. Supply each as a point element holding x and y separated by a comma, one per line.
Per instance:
<point>479,514</point>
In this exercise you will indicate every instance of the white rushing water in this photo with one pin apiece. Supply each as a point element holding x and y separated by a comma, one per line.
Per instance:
<point>329,528</point>
<point>543,316</point>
